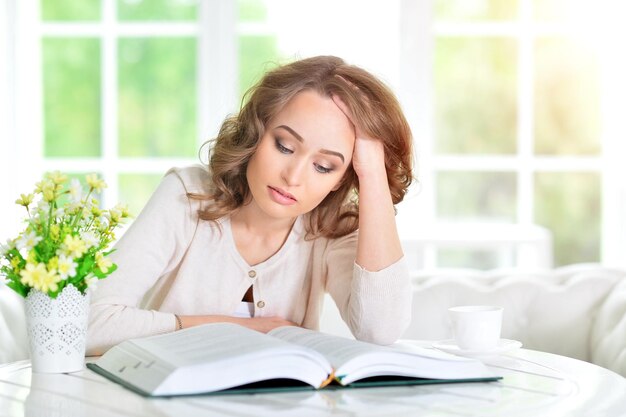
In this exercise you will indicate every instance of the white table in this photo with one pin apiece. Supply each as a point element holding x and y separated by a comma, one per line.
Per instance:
<point>535,384</point>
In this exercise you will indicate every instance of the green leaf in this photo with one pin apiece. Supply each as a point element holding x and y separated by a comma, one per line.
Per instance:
<point>101,275</point>
<point>18,287</point>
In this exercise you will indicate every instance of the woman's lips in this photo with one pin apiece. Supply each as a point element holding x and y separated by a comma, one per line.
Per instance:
<point>281,197</point>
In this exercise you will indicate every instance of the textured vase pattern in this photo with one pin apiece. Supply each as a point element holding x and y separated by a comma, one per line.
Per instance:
<point>57,329</point>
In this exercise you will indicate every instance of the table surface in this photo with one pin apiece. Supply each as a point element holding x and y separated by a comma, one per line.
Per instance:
<point>534,384</point>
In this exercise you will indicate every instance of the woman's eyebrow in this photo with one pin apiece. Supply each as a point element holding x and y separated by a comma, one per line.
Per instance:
<point>301,139</point>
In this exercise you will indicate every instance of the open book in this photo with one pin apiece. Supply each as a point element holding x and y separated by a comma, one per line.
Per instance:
<point>224,356</point>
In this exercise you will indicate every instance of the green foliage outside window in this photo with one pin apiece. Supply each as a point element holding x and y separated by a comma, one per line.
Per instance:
<point>71,96</point>
<point>475,96</point>
<point>476,196</point>
<point>157,97</point>
<point>257,54</point>
<point>567,98</point>
<point>135,189</point>
<point>157,10</point>
<point>70,10</point>
<point>569,204</point>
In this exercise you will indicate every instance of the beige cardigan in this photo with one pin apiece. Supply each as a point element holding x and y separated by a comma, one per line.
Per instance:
<point>171,262</point>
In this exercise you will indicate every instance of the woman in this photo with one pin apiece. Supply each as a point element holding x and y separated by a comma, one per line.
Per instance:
<point>275,222</point>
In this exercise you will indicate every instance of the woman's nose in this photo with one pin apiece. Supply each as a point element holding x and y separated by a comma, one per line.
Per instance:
<point>293,173</point>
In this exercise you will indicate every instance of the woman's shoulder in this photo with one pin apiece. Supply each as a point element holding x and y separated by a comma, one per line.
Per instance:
<point>196,179</point>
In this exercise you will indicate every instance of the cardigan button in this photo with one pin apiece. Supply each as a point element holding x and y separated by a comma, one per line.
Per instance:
<point>260,304</point>
<point>252,273</point>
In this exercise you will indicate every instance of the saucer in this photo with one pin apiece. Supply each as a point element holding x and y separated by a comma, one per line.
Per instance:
<point>504,345</point>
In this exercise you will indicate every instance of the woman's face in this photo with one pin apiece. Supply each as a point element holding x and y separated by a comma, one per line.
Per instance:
<point>302,157</point>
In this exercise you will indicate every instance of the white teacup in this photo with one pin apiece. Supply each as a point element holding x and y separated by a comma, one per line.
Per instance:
<point>476,327</point>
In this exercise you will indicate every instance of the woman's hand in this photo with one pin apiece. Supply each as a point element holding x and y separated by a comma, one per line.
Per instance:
<point>368,157</point>
<point>260,324</point>
<point>265,324</point>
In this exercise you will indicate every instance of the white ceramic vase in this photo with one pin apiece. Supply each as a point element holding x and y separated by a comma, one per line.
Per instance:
<point>57,329</point>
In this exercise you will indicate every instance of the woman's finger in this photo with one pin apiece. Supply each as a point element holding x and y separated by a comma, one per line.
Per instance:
<point>343,107</point>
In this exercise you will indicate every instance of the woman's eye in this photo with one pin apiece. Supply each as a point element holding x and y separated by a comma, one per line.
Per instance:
<point>281,148</point>
<point>322,169</point>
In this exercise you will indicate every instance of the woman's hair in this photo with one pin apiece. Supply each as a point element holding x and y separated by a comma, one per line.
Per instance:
<point>374,108</point>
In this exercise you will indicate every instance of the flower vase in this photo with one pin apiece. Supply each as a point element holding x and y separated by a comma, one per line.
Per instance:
<point>57,329</point>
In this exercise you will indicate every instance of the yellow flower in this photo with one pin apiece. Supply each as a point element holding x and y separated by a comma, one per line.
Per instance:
<point>25,199</point>
<point>54,231</point>
<point>74,246</point>
<point>53,263</point>
<point>95,183</point>
<point>45,183</point>
<point>15,262</point>
<point>48,191</point>
<point>39,278</point>
<point>57,177</point>
<point>103,263</point>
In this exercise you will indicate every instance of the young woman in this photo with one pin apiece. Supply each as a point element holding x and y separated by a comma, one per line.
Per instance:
<point>297,200</point>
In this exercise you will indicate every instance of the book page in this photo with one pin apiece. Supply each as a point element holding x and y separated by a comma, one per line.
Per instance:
<point>209,343</point>
<point>209,358</point>
<point>354,360</point>
<point>338,350</point>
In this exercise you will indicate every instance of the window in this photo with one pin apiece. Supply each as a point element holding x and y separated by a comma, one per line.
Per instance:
<point>516,105</point>
<point>517,131</point>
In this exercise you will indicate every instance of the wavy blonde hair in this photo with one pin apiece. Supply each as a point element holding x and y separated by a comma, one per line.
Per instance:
<point>374,108</point>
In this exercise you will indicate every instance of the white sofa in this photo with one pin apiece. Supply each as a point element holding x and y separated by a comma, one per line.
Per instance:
<point>13,341</point>
<point>577,311</point>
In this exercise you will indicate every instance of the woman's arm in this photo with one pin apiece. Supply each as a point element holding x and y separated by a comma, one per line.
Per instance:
<point>260,324</point>
<point>154,244</point>
<point>378,243</point>
<point>376,302</point>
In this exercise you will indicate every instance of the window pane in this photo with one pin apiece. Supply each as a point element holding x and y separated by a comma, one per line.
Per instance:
<point>476,9</point>
<point>257,54</point>
<point>476,195</point>
<point>569,204</point>
<point>157,10</point>
<point>157,97</point>
<point>567,98</point>
<point>70,10</point>
<point>71,83</point>
<point>563,10</point>
<point>475,95</point>
<point>476,258</point>
<point>251,11</point>
<point>135,190</point>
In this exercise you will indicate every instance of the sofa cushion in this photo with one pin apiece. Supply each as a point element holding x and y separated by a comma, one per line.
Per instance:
<point>608,336</point>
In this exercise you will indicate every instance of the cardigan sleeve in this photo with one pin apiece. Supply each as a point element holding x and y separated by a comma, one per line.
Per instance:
<point>376,306</point>
<point>153,245</point>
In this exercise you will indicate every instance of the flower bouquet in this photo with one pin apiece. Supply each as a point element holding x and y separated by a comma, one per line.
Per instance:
<point>55,260</point>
